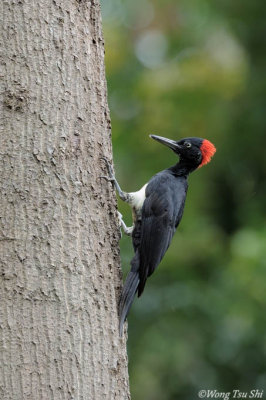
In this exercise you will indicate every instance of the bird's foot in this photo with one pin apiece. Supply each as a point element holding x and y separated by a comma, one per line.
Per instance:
<point>127,230</point>
<point>107,178</point>
<point>111,175</point>
<point>111,178</point>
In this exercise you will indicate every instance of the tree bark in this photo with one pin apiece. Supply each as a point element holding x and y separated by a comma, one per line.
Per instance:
<point>60,267</point>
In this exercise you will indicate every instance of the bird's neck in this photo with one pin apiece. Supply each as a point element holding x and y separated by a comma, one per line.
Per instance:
<point>182,168</point>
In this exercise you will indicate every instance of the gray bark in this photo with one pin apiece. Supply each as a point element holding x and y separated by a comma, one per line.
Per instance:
<point>59,253</point>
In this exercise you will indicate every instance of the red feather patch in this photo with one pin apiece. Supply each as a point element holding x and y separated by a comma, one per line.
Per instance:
<point>207,150</point>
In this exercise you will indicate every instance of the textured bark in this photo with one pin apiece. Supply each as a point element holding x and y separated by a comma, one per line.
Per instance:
<point>60,269</point>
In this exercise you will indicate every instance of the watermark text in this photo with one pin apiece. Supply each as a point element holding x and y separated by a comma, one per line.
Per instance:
<point>234,394</point>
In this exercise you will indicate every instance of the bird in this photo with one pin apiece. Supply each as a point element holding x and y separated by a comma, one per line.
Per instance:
<point>157,209</point>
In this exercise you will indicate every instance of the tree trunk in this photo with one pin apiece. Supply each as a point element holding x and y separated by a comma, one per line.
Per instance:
<point>60,270</point>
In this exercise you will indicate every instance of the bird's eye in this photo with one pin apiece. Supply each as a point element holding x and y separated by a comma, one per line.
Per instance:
<point>187,144</point>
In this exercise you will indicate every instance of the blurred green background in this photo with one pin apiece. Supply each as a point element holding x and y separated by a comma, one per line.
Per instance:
<point>195,68</point>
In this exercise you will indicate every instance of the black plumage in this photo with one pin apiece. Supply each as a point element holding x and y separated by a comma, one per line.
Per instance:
<point>158,210</point>
<point>161,213</point>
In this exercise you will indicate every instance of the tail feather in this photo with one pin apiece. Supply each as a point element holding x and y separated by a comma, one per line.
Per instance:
<point>128,292</point>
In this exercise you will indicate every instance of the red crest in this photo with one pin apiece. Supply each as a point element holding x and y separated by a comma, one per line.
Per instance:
<point>207,150</point>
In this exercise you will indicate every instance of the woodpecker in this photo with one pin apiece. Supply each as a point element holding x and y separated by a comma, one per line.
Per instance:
<point>157,209</point>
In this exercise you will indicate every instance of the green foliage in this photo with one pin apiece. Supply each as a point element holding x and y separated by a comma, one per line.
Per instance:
<point>195,68</point>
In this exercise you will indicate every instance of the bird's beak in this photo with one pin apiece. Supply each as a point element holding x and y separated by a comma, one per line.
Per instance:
<point>167,142</point>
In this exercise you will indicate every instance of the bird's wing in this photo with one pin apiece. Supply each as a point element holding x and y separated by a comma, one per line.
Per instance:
<point>161,213</point>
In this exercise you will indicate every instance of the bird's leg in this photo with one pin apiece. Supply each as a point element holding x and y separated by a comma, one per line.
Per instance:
<point>111,178</point>
<point>127,230</point>
<point>123,196</point>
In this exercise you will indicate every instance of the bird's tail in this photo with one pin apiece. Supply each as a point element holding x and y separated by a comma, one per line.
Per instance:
<point>128,292</point>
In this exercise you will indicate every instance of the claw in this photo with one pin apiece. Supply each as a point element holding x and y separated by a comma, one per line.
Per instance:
<point>104,159</point>
<point>109,167</point>
<point>107,178</point>
<point>107,162</point>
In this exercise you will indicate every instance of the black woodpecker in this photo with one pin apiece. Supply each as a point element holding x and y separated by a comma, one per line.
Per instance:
<point>157,211</point>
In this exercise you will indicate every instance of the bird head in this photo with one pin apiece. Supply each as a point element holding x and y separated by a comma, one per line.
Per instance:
<point>193,151</point>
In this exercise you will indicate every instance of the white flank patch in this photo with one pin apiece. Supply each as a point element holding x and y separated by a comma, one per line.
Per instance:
<point>137,198</point>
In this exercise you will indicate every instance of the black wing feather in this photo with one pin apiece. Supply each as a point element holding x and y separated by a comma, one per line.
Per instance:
<point>161,213</point>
